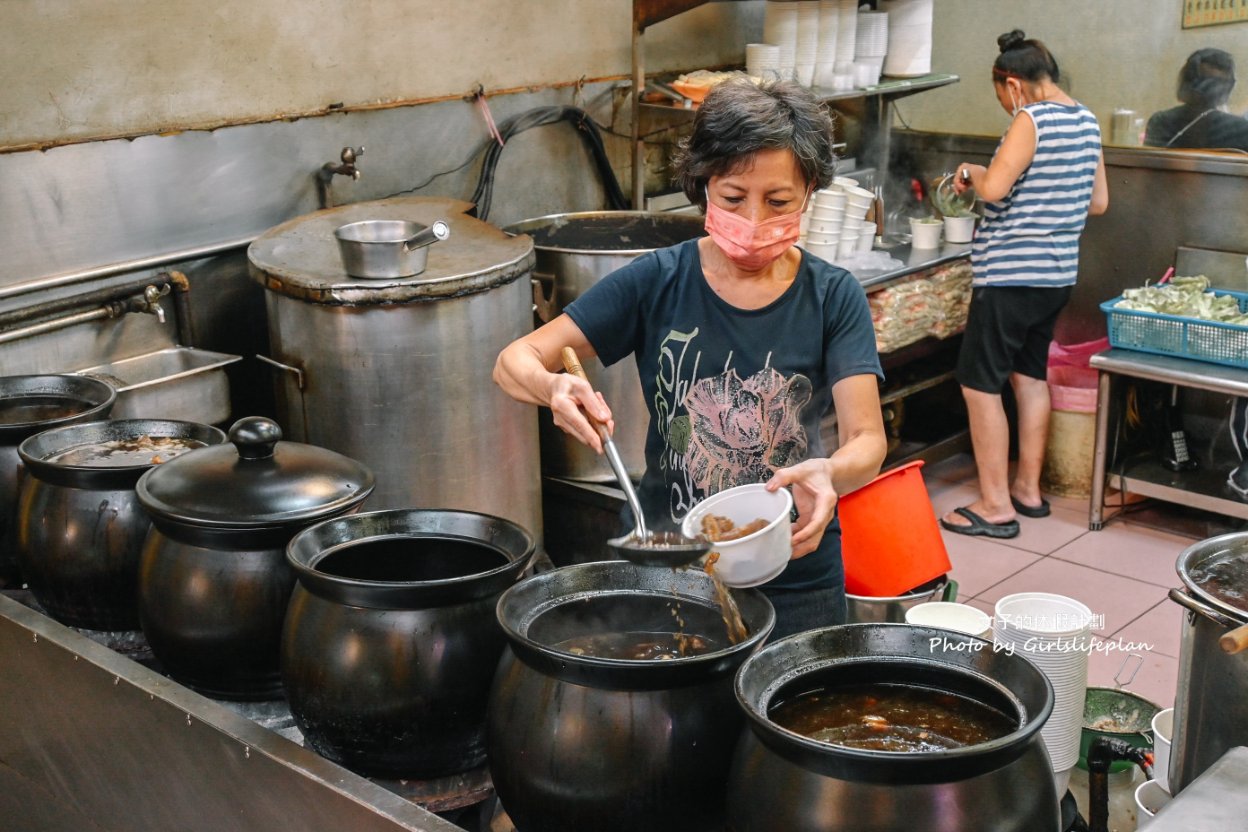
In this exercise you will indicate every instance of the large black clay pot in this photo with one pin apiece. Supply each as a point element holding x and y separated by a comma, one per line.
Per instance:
<point>30,405</point>
<point>391,640</point>
<point>213,578</point>
<point>79,524</point>
<point>578,742</point>
<point>784,780</point>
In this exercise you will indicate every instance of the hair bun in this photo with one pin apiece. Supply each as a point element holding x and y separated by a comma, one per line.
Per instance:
<point>1011,40</point>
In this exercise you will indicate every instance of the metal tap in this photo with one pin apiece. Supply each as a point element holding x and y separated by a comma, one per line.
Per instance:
<point>325,176</point>
<point>151,299</point>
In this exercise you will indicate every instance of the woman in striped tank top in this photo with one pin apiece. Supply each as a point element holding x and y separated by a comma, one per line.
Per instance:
<point>1045,178</point>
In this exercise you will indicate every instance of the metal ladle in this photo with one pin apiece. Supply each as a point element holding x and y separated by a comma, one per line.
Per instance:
<point>642,546</point>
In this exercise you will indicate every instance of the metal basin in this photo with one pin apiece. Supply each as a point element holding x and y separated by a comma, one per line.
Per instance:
<point>865,609</point>
<point>175,383</point>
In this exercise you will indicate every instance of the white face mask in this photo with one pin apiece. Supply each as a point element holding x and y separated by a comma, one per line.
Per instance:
<point>1015,102</point>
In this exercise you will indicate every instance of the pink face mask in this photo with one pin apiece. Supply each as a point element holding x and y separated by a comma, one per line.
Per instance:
<point>752,245</point>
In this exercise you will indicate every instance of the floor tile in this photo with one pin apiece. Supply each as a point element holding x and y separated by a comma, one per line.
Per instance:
<point>1117,599</point>
<point>1156,680</point>
<point>978,563</point>
<point>1045,535</point>
<point>1133,551</point>
<point>1160,627</point>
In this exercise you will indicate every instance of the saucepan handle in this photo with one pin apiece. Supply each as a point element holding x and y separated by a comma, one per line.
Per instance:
<point>438,231</point>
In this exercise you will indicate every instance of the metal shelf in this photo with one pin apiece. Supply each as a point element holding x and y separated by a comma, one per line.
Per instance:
<point>890,90</point>
<point>1204,488</point>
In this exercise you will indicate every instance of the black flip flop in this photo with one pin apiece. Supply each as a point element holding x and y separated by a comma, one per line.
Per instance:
<point>1042,510</point>
<point>980,527</point>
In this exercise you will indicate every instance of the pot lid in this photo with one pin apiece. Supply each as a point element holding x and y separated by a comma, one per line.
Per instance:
<point>256,481</point>
<point>301,258</point>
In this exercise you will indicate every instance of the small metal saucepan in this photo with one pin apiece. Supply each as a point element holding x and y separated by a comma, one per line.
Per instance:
<point>380,249</point>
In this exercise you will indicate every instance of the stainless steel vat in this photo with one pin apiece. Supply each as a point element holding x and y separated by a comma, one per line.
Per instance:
<point>397,373</point>
<point>574,252</point>
<point>1211,704</point>
<point>865,609</point>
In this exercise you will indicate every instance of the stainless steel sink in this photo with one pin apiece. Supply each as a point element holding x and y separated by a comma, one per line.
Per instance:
<point>174,383</point>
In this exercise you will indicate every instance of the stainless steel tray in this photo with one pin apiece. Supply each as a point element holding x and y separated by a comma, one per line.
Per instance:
<point>174,383</point>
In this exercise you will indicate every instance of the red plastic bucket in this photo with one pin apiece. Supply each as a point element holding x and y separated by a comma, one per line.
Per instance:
<point>890,540</point>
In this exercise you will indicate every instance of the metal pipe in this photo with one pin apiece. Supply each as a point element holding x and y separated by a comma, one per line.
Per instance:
<point>639,146</point>
<point>182,307</point>
<point>98,297</point>
<point>60,323</point>
<point>156,260</point>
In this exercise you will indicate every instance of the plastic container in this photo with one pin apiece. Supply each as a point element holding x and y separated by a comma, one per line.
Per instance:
<point>755,558</point>
<point>947,615</point>
<point>1200,340</point>
<point>959,229</point>
<point>1163,733</point>
<point>890,540</point>
<point>1071,441</point>
<point>925,234</point>
<point>1150,797</point>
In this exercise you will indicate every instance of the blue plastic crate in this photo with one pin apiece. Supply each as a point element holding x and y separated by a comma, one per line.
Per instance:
<point>1194,338</point>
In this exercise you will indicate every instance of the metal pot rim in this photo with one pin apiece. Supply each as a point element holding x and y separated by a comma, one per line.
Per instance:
<point>523,227</point>
<point>1196,555</point>
<point>83,433</point>
<point>54,384</point>
<point>881,766</point>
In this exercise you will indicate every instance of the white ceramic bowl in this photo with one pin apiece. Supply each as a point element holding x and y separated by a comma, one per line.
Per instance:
<point>755,558</point>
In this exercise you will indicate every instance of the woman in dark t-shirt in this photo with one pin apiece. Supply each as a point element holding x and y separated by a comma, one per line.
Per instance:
<point>1201,121</point>
<point>742,342</point>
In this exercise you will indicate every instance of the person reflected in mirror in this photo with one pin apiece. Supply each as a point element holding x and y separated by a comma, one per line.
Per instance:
<point>1045,178</point>
<point>743,343</point>
<point>1238,478</point>
<point>1202,120</point>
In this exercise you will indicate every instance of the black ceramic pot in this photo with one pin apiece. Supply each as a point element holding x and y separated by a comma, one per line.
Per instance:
<point>579,742</point>
<point>30,405</point>
<point>783,780</point>
<point>391,640</point>
<point>213,578</point>
<point>79,523</point>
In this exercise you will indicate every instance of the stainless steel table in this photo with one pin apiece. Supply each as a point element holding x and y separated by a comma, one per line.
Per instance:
<point>1216,801</point>
<point>1202,489</point>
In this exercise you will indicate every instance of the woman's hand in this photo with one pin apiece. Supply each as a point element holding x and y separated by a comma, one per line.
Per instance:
<point>964,179</point>
<point>815,498</point>
<point>570,398</point>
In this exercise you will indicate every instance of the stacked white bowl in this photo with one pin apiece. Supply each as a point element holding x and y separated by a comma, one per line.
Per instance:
<point>780,28</point>
<point>835,227</point>
<point>807,41</point>
<point>871,46</point>
<point>825,57</point>
<point>847,30</point>
<point>1054,632</point>
<point>762,60</point>
<point>909,37</point>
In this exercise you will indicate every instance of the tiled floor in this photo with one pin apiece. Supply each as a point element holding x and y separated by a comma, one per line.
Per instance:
<point>1121,572</point>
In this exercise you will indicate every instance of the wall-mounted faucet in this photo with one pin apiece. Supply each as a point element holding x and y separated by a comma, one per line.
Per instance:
<point>325,176</point>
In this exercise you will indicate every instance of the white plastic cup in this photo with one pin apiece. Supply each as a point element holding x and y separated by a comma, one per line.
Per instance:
<point>823,252</point>
<point>959,229</point>
<point>949,615</point>
<point>1150,797</point>
<point>925,235</point>
<point>866,238</point>
<point>822,226</point>
<point>1163,733</point>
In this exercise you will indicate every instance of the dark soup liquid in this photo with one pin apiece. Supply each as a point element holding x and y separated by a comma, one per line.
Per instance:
<point>125,453</point>
<point>636,646</point>
<point>890,717</point>
<point>21,410</point>
<point>411,558</point>
<point>1226,580</point>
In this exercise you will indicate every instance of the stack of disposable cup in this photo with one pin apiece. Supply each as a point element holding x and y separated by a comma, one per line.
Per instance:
<point>870,47</point>
<point>826,216</point>
<point>857,202</point>
<point>909,37</point>
<point>762,60</point>
<point>1053,631</point>
<point>807,41</point>
<point>847,30</point>
<point>780,28</point>
<point>825,57</point>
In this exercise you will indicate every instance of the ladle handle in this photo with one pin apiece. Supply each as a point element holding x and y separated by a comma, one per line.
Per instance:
<point>1236,641</point>
<point>572,363</point>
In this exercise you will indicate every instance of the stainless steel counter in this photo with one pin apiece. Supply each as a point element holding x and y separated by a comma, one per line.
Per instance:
<point>915,260</point>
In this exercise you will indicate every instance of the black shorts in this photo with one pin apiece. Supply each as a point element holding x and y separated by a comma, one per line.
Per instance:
<point>1008,331</point>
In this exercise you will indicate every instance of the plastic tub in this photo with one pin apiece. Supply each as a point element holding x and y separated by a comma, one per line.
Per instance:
<point>755,558</point>
<point>890,540</point>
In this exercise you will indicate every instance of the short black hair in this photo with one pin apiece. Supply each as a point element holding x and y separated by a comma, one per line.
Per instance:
<point>1024,58</point>
<point>1207,78</point>
<point>738,118</point>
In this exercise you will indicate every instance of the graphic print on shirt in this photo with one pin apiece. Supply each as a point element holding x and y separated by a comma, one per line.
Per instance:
<point>723,431</point>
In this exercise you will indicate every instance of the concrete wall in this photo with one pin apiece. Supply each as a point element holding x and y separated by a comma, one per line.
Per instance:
<point>1117,53</point>
<point>76,70</point>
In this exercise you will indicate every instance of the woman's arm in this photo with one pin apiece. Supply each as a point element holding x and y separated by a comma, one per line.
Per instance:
<point>1018,148</point>
<point>817,483</point>
<point>1100,190</point>
<point>527,370</point>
